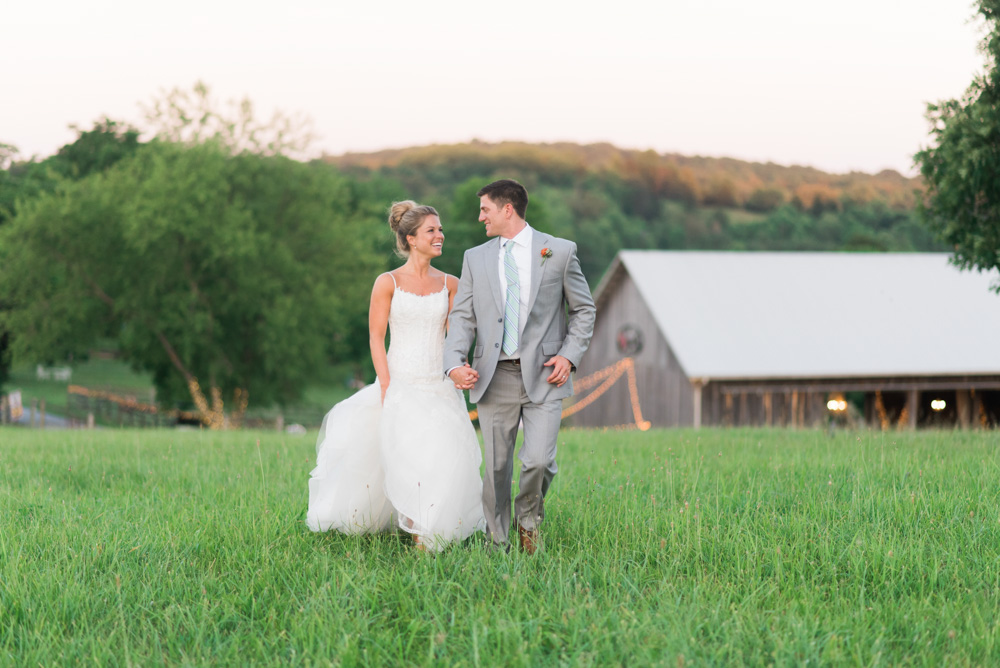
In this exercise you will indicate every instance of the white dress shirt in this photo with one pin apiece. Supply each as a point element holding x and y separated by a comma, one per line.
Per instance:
<point>522,258</point>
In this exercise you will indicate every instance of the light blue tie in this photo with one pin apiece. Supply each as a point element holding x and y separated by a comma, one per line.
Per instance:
<point>512,307</point>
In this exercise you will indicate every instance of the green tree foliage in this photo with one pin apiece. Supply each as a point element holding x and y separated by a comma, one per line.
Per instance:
<point>765,200</point>
<point>462,229</point>
<point>93,151</point>
<point>962,165</point>
<point>219,273</point>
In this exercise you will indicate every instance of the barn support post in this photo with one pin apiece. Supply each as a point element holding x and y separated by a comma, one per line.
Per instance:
<point>912,405</point>
<point>697,384</point>
<point>962,405</point>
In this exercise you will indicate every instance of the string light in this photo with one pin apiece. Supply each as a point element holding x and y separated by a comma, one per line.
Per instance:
<point>604,380</point>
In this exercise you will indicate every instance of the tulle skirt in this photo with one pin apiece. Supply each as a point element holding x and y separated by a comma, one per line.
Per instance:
<point>412,462</point>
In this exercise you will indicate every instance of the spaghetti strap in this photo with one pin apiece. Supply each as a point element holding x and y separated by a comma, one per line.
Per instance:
<point>394,284</point>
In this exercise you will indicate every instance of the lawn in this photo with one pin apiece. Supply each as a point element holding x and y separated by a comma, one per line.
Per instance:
<point>739,547</point>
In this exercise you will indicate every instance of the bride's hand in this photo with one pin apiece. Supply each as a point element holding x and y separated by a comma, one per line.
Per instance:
<point>384,386</point>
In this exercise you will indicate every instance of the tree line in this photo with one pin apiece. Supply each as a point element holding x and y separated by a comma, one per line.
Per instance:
<point>607,199</point>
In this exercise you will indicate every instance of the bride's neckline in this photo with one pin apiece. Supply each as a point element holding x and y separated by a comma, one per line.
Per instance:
<point>414,294</point>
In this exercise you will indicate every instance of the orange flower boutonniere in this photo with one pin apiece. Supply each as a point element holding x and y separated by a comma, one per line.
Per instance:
<point>546,254</point>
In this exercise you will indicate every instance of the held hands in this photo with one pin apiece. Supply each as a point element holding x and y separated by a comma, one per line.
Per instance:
<point>464,377</point>
<point>560,370</point>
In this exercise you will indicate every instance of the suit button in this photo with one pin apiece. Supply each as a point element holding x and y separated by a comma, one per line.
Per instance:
<point>499,319</point>
<point>496,345</point>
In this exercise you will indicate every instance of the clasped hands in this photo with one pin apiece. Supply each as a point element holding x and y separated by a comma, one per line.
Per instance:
<point>465,377</point>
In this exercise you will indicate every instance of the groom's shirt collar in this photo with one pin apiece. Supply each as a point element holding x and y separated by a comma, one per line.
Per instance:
<point>522,238</point>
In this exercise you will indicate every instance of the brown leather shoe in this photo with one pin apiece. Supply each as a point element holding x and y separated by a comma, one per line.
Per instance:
<point>529,539</point>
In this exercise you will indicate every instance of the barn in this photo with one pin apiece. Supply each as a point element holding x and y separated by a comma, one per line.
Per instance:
<point>890,340</point>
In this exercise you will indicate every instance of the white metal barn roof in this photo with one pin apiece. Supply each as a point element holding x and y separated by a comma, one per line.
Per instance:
<point>797,315</point>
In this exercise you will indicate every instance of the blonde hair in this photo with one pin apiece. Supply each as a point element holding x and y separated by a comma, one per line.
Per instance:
<point>404,219</point>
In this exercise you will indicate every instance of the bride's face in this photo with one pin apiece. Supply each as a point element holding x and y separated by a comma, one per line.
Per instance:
<point>429,238</point>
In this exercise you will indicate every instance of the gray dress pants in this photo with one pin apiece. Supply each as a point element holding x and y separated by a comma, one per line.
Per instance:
<point>503,406</point>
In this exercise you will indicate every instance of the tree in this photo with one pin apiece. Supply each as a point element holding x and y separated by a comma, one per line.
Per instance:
<point>462,229</point>
<point>93,151</point>
<point>194,117</point>
<point>961,167</point>
<point>765,200</point>
<point>224,276</point>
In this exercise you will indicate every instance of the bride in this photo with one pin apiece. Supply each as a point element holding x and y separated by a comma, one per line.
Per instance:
<point>403,449</point>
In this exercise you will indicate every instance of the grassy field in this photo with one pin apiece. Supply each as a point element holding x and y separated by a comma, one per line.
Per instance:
<point>661,548</point>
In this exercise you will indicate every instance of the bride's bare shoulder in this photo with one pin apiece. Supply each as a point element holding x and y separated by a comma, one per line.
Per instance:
<point>385,284</point>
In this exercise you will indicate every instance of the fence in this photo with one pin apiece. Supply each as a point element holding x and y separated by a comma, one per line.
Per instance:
<point>85,406</point>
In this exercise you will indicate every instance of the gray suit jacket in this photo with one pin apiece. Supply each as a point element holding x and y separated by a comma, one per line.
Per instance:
<point>560,316</point>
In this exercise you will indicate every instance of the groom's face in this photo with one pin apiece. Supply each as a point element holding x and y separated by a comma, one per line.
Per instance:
<point>495,219</point>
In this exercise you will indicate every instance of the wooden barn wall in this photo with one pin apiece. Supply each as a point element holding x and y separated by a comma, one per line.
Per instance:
<point>763,408</point>
<point>665,393</point>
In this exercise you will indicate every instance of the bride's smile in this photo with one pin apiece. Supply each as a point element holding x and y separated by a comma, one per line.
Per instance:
<point>429,237</point>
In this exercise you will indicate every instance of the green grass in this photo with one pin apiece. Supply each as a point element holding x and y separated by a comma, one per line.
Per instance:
<point>741,547</point>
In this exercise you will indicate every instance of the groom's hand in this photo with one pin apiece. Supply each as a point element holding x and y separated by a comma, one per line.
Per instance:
<point>560,370</point>
<point>464,377</point>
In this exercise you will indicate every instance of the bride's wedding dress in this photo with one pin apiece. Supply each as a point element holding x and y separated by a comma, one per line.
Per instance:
<point>414,459</point>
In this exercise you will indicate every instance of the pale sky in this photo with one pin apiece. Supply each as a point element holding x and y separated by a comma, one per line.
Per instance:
<point>839,86</point>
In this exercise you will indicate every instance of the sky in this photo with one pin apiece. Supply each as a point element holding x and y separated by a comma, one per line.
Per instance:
<point>838,86</point>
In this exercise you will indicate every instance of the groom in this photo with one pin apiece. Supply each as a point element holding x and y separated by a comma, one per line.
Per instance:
<point>525,302</point>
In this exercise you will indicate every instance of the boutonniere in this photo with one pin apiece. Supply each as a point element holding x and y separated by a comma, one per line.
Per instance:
<point>546,254</point>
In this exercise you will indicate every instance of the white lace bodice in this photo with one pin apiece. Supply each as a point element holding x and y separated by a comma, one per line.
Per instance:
<point>416,329</point>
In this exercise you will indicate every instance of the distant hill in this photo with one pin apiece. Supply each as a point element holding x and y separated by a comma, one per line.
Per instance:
<point>606,198</point>
<point>723,182</point>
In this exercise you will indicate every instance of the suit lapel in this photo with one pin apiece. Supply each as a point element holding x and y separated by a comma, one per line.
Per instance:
<point>491,258</point>
<point>538,242</point>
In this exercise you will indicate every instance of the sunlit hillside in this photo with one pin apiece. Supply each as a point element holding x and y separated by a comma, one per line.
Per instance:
<point>711,181</point>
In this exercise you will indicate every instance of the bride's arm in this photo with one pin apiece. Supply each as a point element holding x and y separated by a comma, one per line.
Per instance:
<point>378,322</point>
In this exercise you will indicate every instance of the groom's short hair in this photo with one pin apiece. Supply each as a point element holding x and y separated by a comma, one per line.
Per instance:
<point>507,191</point>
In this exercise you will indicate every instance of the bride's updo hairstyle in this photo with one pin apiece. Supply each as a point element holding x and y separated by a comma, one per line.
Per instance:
<point>404,219</point>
